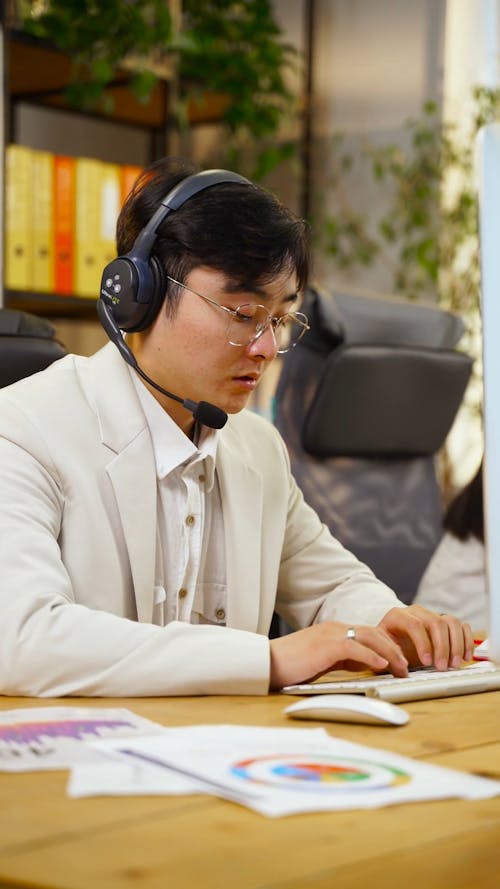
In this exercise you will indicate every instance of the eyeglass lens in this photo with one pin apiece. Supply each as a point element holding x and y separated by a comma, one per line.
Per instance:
<point>251,320</point>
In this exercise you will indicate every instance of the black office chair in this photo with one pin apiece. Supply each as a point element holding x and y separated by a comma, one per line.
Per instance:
<point>27,345</point>
<point>364,402</point>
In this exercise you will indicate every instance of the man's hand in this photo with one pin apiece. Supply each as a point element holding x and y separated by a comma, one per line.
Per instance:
<point>412,636</point>
<point>428,638</point>
<point>306,654</point>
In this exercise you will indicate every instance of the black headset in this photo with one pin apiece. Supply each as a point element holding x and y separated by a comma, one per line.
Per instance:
<point>133,286</point>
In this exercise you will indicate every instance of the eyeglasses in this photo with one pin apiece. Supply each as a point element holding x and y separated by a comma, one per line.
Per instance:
<point>248,322</point>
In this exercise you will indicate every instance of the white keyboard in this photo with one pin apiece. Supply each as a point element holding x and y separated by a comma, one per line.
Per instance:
<point>419,685</point>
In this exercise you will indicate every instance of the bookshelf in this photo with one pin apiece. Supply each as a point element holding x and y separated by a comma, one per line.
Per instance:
<point>34,77</point>
<point>50,305</point>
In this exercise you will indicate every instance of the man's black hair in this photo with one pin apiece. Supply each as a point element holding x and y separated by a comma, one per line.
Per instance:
<point>241,230</point>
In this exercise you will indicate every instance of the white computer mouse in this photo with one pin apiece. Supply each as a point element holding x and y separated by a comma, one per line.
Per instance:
<point>348,708</point>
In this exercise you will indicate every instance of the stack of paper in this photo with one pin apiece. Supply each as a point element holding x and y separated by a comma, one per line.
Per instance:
<point>273,771</point>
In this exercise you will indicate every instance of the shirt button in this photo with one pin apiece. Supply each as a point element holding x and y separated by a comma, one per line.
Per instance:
<point>190,520</point>
<point>220,614</point>
<point>201,478</point>
<point>182,593</point>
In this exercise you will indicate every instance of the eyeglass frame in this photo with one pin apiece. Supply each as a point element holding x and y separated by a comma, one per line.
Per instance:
<point>272,320</point>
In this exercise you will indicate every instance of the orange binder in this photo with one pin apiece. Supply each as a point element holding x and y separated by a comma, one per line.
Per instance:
<point>64,223</point>
<point>128,175</point>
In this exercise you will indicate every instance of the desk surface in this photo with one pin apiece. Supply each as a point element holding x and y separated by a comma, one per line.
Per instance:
<point>198,842</point>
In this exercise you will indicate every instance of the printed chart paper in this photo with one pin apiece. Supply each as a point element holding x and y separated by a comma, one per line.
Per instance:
<point>285,771</point>
<point>39,738</point>
<point>134,775</point>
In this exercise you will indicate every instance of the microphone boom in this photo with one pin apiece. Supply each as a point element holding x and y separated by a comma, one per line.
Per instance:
<point>206,413</point>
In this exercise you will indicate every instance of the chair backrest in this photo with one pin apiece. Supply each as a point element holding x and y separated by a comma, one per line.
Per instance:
<point>27,345</point>
<point>364,402</point>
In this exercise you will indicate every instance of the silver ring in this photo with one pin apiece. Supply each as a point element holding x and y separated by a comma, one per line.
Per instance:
<point>351,633</point>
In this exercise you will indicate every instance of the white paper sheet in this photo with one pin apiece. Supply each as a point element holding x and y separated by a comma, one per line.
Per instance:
<point>481,650</point>
<point>285,771</point>
<point>123,775</point>
<point>128,778</point>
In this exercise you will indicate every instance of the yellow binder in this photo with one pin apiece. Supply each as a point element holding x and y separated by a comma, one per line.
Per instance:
<point>109,209</point>
<point>18,217</point>
<point>87,228</point>
<point>43,221</point>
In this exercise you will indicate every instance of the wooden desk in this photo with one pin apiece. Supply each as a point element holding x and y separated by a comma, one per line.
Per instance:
<point>198,842</point>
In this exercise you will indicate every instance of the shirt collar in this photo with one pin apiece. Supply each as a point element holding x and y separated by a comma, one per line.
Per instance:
<point>172,448</point>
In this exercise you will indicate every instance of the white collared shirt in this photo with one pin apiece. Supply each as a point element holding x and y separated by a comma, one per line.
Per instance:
<point>190,581</point>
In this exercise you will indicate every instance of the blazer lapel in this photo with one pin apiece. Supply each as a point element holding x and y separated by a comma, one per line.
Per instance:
<point>242,499</point>
<point>131,469</point>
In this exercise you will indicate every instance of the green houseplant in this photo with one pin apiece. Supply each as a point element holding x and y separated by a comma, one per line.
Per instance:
<point>425,237</point>
<point>427,229</point>
<point>232,49</point>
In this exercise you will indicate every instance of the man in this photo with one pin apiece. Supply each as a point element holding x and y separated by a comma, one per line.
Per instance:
<point>143,552</point>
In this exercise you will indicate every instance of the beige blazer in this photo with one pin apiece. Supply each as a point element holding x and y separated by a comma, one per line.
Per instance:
<point>78,539</point>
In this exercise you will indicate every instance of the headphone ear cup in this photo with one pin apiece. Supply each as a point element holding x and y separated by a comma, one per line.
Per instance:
<point>157,288</point>
<point>133,289</point>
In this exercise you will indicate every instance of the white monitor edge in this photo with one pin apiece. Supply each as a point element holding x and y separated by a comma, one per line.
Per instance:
<point>488,167</point>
